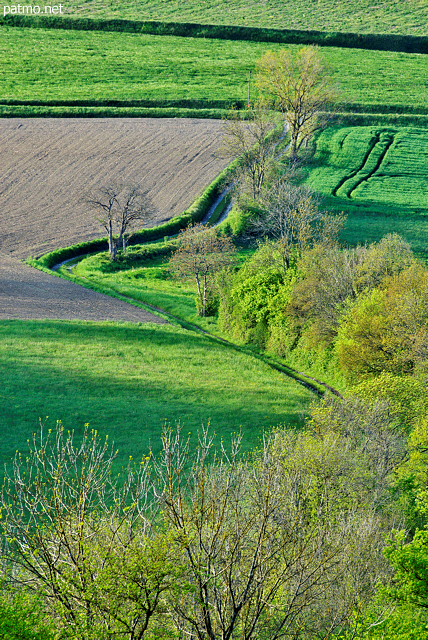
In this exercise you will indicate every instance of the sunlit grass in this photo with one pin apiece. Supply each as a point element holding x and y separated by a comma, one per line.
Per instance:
<point>378,176</point>
<point>126,380</point>
<point>364,16</point>
<point>56,65</point>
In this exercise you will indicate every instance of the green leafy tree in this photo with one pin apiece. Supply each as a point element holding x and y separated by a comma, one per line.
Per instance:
<point>277,546</point>
<point>331,278</point>
<point>300,87</point>
<point>387,329</point>
<point>22,617</point>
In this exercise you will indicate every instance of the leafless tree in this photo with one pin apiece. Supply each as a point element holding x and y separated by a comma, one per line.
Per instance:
<point>291,217</point>
<point>120,208</point>
<point>251,138</point>
<point>299,86</point>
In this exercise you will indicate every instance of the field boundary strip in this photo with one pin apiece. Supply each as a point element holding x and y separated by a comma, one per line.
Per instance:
<point>348,40</point>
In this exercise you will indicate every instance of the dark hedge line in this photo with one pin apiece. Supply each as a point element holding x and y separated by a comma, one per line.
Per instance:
<point>385,108</point>
<point>136,256</point>
<point>16,111</point>
<point>394,119</point>
<point>194,104</point>
<point>184,103</point>
<point>383,42</point>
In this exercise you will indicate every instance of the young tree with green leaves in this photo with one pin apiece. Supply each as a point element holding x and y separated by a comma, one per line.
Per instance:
<point>201,253</point>
<point>85,542</point>
<point>299,86</point>
<point>277,546</point>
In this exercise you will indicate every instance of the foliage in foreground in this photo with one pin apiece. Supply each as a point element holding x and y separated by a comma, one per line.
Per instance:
<point>286,543</point>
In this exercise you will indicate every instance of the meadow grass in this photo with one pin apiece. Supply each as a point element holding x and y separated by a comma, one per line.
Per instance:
<point>39,65</point>
<point>363,16</point>
<point>126,380</point>
<point>148,281</point>
<point>378,176</point>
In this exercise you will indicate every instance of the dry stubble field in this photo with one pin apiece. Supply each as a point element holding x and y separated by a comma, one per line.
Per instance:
<point>48,164</point>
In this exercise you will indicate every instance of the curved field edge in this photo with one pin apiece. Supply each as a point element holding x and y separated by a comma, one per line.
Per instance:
<point>126,380</point>
<point>194,214</point>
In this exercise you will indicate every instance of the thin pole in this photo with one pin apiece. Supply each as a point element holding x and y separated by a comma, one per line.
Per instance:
<point>249,88</point>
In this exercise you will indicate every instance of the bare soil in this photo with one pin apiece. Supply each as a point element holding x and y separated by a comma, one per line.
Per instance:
<point>47,167</point>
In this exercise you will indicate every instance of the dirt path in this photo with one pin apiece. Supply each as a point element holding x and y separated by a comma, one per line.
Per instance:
<point>46,167</point>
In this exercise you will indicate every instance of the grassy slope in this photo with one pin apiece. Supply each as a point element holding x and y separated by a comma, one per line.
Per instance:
<point>365,16</point>
<point>149,281</point>
<point>65,65</point>
<point>378,176</point>
<point>126,380</point>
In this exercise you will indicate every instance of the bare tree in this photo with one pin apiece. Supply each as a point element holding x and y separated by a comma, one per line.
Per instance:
<point>251,138</point>
<point>120,208</point>
<point>292,218</point>
<point>201,253</point>
<point>276,547</point>
<point>301,88</point>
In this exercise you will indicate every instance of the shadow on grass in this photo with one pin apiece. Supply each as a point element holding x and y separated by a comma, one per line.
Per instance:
<point>128,380</point>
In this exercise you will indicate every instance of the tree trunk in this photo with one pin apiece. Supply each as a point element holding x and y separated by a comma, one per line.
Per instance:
<point>201,298</point>
<point>110,239</point>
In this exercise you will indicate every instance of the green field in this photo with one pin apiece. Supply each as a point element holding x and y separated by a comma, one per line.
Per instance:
<point>52,65</point>
<point>126,380</point>
<point>378,175</point>
<point>365,16</point>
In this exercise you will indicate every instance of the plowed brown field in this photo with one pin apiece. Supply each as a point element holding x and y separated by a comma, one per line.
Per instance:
<point>47,165</point>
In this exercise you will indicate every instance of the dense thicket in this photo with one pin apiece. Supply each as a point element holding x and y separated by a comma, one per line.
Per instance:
<point>365,307</point>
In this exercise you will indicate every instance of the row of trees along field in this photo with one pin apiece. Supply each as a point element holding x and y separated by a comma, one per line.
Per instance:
<point>320,533</point>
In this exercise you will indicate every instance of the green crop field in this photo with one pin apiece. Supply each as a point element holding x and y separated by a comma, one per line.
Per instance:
<point>377,175</point>
<point>54,65</point>
<point>365,16</point>
<point>126,380</point>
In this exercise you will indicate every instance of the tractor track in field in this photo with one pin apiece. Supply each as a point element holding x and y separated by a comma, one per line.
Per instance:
<point>379,146</point>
